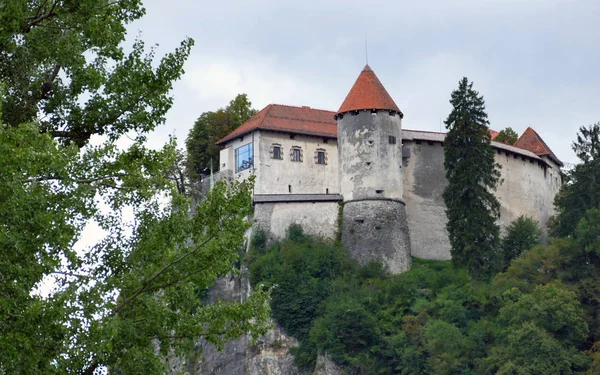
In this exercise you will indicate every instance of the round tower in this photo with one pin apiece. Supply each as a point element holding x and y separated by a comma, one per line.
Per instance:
<point>369,127</point>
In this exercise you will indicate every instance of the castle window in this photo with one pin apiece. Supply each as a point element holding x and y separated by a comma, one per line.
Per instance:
<point>320,157</point>
<point>276,152</point>
<point>392,140</point>
<point>243,157</point>
<point>296,154</point>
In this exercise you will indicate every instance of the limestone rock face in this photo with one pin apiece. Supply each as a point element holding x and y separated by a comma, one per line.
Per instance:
<point>269,355</point>
<point>325,366</point>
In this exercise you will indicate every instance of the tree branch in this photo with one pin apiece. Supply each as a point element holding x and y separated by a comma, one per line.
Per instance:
<point>79,181</point>
<point>145,284</point>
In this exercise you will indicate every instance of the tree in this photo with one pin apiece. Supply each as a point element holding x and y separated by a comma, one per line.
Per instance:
<point>63,65</point>
<point>580,192</point>
<point>137,290</point>
<point>472,173</point>
<point>508,136</point>
<point>522,234</point>
<point>209,128</point>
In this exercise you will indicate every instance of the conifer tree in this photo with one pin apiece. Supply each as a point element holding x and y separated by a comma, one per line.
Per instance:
<point>473,174</point>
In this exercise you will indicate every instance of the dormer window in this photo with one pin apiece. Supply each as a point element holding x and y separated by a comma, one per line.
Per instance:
<point>296,154</point>
<point>276,151</point>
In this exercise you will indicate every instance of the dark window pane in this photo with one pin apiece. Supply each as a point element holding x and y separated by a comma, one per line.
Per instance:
<point>296,154</point>
<point>320,157</point>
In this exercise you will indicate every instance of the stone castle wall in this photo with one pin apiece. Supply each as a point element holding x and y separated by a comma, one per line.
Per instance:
<point>528,188</point>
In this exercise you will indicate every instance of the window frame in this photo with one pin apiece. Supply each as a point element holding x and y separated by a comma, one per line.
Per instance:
<point>319,152</point>
<point>293,151</point>
<point>249,160</point>
<point>280,151</point>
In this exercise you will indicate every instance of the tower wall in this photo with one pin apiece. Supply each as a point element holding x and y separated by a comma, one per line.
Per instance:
<point>374,216</point>
<point>370,167</point>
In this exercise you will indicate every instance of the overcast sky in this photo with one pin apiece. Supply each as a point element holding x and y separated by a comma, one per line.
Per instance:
<point>535,61</point>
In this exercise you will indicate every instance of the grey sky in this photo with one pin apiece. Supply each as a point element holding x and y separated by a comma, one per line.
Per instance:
<point>535,62</point>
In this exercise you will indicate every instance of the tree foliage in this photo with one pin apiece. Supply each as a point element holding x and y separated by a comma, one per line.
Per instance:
<point>522,234</point>
<point>538,317</point>
<point>134,296</point>
<point>508,136</point>
<point>471,206</point>
<point>63,64</point>
<point>209,128</point>
<point>580,192</point>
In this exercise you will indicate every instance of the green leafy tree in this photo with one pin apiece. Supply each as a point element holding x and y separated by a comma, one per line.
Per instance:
<point>530,350</point>
<point>522,234</point>
<point>471,206</point>
<point>65,78</point>
<point>580,192</point>
<point>508,136</point>
<point>63,65</point>
<point>209,128</point>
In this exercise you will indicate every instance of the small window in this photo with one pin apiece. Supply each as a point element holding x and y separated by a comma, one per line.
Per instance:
<point>243,157</point>
<point>320,157</point>
<point>296,154</point>
<point>392,140</point>
<point>289,188</point>
<point>418,141</point>
<point>326,190</point>
<point>292,136</point>
<point>325,140</point>
<point>276,152</point>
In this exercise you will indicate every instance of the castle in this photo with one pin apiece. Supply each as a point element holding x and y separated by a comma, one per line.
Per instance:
<point>390,180</point>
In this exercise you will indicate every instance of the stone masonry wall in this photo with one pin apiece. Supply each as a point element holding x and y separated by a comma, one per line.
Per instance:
<point>528,188</point>
<point>377,230</point>
<point>316,218</point>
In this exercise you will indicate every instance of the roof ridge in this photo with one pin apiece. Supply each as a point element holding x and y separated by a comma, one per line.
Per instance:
<point>300,119</point>
<point>301,107</point>
<point>425,131</point>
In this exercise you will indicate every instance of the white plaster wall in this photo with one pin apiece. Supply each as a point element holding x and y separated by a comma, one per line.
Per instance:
<point>524,191</point>
<point>370,165</point>
<point>316,218</point>
<point>274,176</point>
<point>227,156</point>
<point>424,183</point>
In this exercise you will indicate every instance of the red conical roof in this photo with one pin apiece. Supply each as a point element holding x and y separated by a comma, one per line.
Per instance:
<point>368,93</point>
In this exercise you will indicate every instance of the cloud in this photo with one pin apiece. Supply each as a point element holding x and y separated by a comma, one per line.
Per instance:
<point>218,79</point>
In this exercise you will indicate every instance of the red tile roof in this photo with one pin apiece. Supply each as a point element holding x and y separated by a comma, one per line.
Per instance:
<point>321,123</point>
<point>368,93</point>
<point>284,118</point>
<point>530,140</point>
